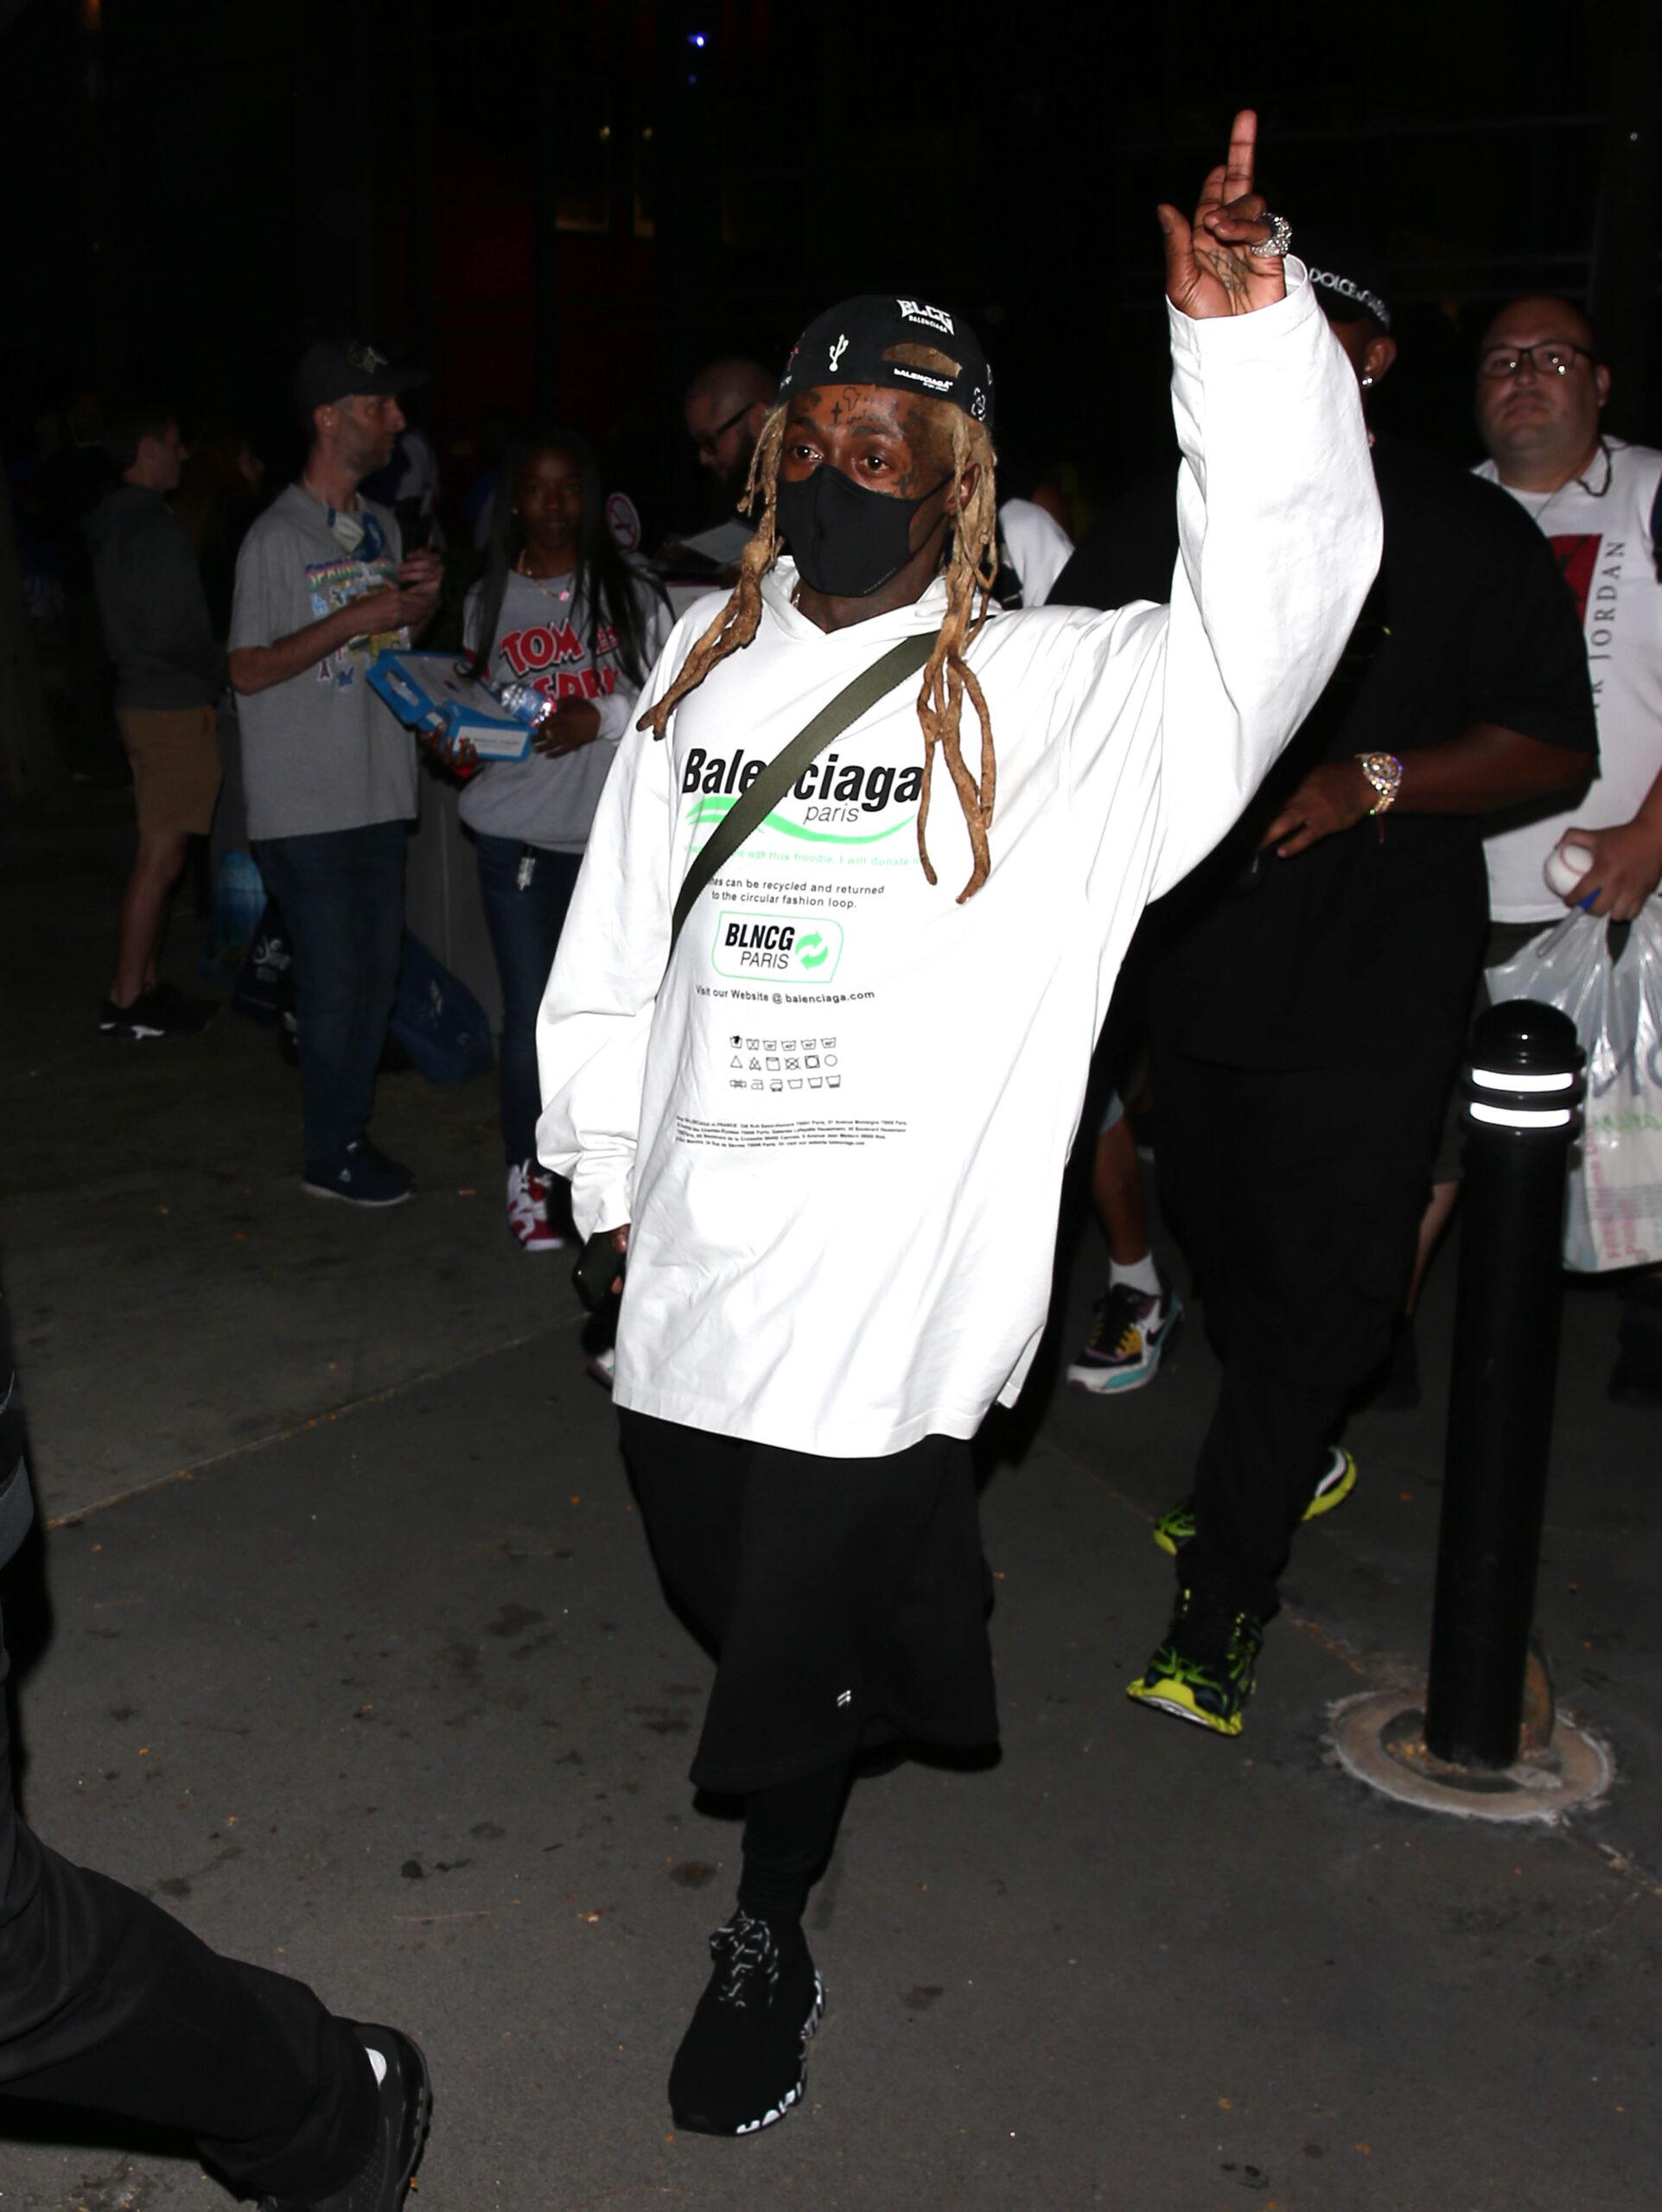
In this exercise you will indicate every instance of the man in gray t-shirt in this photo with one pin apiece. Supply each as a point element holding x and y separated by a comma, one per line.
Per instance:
<point>330,774</point>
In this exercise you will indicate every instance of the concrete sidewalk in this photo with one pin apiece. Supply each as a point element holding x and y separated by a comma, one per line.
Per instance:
<point>385,1694</point>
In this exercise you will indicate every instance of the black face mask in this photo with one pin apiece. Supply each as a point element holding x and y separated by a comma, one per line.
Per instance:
<point>846,540</point>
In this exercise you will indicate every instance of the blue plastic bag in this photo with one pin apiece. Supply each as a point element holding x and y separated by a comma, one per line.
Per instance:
<point>265,988</point>
<point>437,1021</point>
<point>239,910</point>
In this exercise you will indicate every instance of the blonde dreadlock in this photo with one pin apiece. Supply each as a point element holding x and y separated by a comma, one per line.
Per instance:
<point>970,573</point>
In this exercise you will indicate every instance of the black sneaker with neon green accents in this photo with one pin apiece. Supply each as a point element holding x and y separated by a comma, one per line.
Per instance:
<point>1176,1527</point>
<point>1203,1670</point>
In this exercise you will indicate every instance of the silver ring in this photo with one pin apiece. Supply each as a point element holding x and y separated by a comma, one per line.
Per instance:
<point>1280,237</point>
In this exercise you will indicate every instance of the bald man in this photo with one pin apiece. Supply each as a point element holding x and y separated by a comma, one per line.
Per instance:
<point>726,405</point>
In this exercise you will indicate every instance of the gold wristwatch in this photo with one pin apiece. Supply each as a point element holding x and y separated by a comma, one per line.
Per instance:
<point>1385,772</point>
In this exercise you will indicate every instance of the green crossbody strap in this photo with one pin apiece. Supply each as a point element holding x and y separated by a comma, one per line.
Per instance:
<point>749,809</point>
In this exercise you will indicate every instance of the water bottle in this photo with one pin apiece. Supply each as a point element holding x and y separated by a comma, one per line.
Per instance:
<point>524,702</point>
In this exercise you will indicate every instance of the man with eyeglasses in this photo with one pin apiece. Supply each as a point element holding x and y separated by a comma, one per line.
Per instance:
<point>1541,391</point>
<point>726,405</point>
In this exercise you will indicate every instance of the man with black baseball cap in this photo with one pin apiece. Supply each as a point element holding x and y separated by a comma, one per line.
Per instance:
<point>801,1111</point>
<point>330,773</point>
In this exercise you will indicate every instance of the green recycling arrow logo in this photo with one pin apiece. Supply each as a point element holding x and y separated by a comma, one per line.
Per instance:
<point>776,944</point>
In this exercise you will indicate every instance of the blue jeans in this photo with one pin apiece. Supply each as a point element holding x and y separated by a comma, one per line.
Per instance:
<point>526,893</point>
<point>341,893</point>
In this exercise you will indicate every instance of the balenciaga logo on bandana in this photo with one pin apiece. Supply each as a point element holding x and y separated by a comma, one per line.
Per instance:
<point>933,318</point>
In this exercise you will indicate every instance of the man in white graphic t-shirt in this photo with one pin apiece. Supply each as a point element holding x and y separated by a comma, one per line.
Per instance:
<point>1541,391</point>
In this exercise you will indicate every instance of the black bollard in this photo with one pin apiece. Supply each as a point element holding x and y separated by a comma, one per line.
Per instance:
<point>1522,1091</point>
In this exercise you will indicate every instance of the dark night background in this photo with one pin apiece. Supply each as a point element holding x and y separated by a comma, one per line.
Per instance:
<point>565,207</point>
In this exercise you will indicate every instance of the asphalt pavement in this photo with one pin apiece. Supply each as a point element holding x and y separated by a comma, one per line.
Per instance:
<point>343,1643</point>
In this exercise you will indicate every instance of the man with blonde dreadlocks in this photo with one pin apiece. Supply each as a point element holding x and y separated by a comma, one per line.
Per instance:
<point>826,1118</point>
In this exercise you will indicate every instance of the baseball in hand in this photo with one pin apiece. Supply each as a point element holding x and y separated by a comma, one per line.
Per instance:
<point>1566,864</point>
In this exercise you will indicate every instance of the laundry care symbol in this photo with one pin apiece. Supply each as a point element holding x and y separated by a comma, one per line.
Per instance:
<point>838,352</point>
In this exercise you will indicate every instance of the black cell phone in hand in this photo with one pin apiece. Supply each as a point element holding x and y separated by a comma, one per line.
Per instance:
<point>598,1265</point>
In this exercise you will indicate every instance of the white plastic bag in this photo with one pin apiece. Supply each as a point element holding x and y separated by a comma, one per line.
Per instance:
<point>1615,1215</point>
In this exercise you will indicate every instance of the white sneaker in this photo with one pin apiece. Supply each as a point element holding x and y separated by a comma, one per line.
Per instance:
<point>528,1195</point>
<point>602,1364</point>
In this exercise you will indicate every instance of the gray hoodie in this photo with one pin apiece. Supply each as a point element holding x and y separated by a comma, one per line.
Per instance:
<point>151,603</point>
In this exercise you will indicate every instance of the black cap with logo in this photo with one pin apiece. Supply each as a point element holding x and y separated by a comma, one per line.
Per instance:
<point>868,340</point>
<point>345,368</point>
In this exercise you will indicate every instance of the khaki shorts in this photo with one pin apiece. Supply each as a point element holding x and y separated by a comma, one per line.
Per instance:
<point>175,753</point>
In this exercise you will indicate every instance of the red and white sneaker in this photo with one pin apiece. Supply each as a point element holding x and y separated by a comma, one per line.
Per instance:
<point>529,1190</point>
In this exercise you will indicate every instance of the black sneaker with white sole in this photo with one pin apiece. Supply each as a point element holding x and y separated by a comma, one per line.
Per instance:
<point>405,2102</point>
<point>160,1012</point>
<point>362,1175</point>
<point>741,2065</point>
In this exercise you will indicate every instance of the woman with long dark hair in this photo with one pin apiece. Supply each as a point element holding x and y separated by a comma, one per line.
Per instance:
<point>559,608</point>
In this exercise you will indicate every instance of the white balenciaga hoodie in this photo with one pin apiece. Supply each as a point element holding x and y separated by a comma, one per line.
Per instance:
<point>838,1122</point>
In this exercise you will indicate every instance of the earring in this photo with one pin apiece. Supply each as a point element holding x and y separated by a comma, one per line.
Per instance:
<point>1367,383</point>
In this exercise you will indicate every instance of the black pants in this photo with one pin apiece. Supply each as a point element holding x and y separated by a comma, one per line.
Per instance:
<point>1297,1195</point>
<point>844,1597</point>
<point>108,2003</point>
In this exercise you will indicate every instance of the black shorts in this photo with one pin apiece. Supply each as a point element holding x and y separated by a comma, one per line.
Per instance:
<point>845,1598</point>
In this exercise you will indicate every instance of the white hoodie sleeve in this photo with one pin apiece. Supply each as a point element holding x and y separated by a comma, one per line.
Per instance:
<point>596,1014</point>
<point>1279,538</point>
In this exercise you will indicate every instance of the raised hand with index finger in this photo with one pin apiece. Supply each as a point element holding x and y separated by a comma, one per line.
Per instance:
<point>1217,265</point>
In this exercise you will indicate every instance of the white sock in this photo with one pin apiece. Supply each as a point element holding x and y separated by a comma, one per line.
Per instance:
<point>377,2062</point>
<point>1142,1275</point>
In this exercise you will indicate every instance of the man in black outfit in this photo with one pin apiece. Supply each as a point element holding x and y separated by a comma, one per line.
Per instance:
<point>1312,988</point>
<point>108,2003</point>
